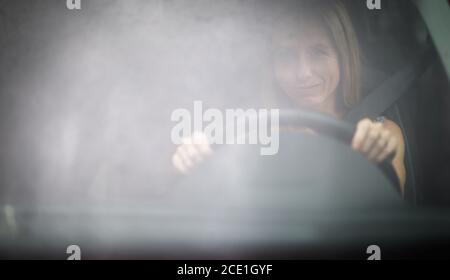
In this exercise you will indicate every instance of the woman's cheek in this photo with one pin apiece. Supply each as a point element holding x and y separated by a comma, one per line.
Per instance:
<point>284,73</point>
<point>329,72</point>
<point>284,77</point>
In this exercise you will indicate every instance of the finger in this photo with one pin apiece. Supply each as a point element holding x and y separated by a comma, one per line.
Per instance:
<point>183,153</point>
<point>204,149</point>
<point>201,142</point>
<point>178,164</point>
<point>192,152</point>
<point>199,138</point>
<point>390,148</point>
<point>189,147</point>
<point>372,136</point>
<point>379,146</point>
<point>360,134</point>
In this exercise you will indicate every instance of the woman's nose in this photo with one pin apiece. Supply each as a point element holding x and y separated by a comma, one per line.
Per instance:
<point>303,69</point>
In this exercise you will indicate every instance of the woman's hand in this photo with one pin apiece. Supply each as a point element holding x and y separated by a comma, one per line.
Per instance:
<point>378,140</point>
<point>193,151</point>
<point>374,140</point>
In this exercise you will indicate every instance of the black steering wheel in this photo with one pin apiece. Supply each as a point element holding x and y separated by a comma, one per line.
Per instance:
<point>334,128</point>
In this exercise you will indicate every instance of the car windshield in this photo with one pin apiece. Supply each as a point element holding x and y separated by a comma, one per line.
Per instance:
<point>150,124</point>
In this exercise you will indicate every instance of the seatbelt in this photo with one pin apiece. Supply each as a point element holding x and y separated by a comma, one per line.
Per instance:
<point>384,96</point>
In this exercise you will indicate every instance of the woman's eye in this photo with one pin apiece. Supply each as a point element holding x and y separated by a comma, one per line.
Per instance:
<point>285,54</point>
<point>319,52</point>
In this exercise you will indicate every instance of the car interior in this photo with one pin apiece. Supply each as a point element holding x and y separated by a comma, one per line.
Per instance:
<point>85,104</point>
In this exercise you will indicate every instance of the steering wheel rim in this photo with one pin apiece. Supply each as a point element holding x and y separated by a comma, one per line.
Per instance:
<point>332,127</point>
<point>321,123</point>
<point>335,128</point>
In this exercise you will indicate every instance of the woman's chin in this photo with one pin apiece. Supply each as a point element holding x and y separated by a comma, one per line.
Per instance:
<point>310,102</point>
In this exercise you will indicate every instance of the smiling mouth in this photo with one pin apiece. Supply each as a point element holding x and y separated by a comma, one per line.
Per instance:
<point>308,87</point>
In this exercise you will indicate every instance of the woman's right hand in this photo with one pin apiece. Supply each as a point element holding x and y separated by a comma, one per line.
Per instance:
<point>191,152</point>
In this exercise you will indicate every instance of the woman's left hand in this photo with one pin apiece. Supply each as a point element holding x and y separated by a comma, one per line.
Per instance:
<point>374,140</point>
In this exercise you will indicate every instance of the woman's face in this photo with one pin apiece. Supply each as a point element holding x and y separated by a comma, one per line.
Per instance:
<point>306,65</point>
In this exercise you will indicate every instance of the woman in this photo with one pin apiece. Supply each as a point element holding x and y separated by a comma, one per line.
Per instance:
<point>316,65</point>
